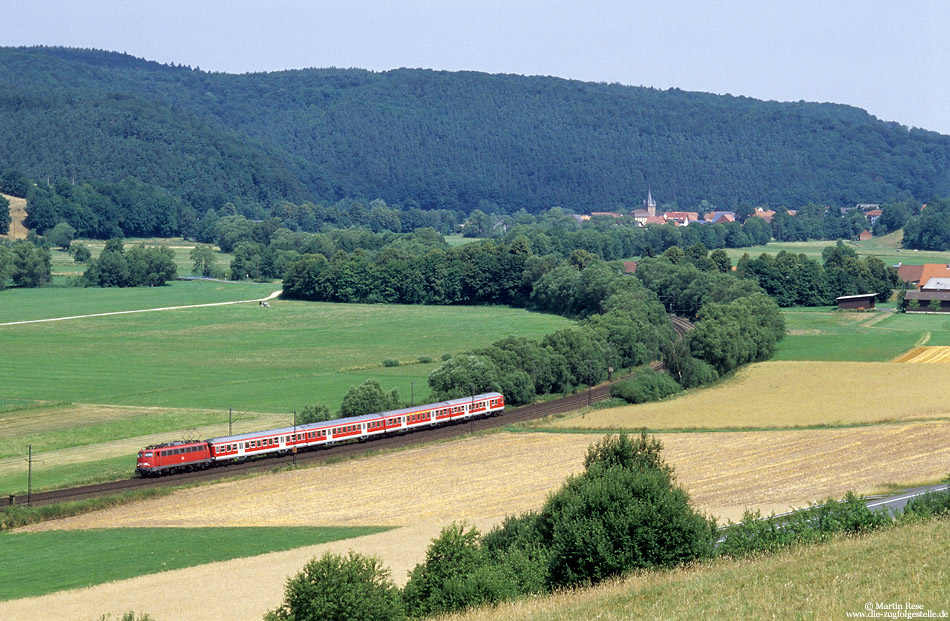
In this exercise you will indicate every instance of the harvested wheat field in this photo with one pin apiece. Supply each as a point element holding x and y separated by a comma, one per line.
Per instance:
<point>425,488</point>
<point>931,355</point>
<point>790,394</point>
<point>724,472</point>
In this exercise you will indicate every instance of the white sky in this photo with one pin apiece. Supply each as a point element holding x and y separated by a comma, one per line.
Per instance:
<point>891,58</point>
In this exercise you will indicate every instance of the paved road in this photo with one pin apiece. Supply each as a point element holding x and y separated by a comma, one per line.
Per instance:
<point>896,502</point>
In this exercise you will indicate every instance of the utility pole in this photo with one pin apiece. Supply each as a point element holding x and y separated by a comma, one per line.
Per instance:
<point>412,394</point>
<point>29,477</point>
<point>229,422</point>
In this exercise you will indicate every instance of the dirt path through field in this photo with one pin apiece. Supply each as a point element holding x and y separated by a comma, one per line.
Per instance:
<point>144,310</point>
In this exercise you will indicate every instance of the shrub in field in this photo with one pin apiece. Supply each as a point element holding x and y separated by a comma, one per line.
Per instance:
<point>446,356</point>
<point>129,616</point>
<point>335,587</point>
<point>645,387</point>
<point>623,513</point>
<point>457,573</point>
<point>425,359</point>
<point>612,520</point>
<point>391,362</point>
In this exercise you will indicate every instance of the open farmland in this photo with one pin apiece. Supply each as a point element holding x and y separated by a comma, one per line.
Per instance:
<point>886,248</point>
<point>770,395</point>
<point>477,479</point>
<point>821,334</point>
<point>173,370</point>
<point>64,265</point>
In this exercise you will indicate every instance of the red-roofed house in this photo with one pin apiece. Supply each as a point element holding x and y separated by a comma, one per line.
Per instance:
<point>682,218</point>
<point>764,214</point>
<point>917,275</point>
<point>865,235</point>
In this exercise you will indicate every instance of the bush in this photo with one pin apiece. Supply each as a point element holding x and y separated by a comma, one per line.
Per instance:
<point>816,523</point>
<point>931,504</point>
<point>314,413</point>
<point>446,356</point>
<point>612,520</point>
<point>647,386</point>
<point>425,359</point>
<point>456,574</point>
<point>391,362</point>
<point>336,587</point>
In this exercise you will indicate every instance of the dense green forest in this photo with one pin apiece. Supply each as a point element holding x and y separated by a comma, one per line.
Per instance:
<point>441,140</point>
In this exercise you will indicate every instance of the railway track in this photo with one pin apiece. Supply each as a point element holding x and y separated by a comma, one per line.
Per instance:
<point>515,415</point>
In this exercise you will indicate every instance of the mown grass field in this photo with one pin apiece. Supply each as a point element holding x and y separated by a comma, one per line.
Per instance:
<point>46,303</point>
<point>39,563</point>
<point>886,248</point>
<point>903,565</point>
<point>181,370</point>
<point>822,334</point>
<point>63,264</point>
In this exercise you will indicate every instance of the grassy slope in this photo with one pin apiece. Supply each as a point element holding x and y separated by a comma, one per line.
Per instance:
<point>824,581</point>
<point>39,563</point>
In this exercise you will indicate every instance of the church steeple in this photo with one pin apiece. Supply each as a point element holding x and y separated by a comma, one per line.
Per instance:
<point>649,204</point>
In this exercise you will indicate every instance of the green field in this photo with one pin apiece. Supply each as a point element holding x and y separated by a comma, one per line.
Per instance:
<point>88,393</point>
<point>820,334</point>
<point>887,248</point>
<point>46,562</point>
<point>45,303</point>
<point>63,264</point>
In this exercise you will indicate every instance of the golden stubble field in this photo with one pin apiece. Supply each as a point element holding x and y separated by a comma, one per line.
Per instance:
<point>423,489</point>
<point>790,394</point>
<point>926,355</point>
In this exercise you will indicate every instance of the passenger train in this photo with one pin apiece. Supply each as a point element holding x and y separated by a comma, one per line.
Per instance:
<point>173,457</point>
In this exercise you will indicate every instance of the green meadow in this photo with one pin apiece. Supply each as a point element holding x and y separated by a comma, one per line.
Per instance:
<point>87,393</point>
<point>830,335</point>
<point>887,248</point>
<point>46,303</point>
<point>63,264</point>
<point>45,562</point>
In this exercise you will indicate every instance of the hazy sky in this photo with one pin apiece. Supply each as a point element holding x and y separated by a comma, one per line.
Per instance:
<point>891,58</point>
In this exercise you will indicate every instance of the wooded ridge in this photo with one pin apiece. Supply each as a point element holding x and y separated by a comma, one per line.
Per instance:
<point>435,139</point>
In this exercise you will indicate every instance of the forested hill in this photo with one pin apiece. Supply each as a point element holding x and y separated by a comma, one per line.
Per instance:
<point>442,139</point>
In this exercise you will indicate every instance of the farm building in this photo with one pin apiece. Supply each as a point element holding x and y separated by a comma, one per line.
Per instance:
<point>865,235</point>
<point>865,301</point>
<point>936,284</point>
<point>928,301</point>
<point>918,275</point>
